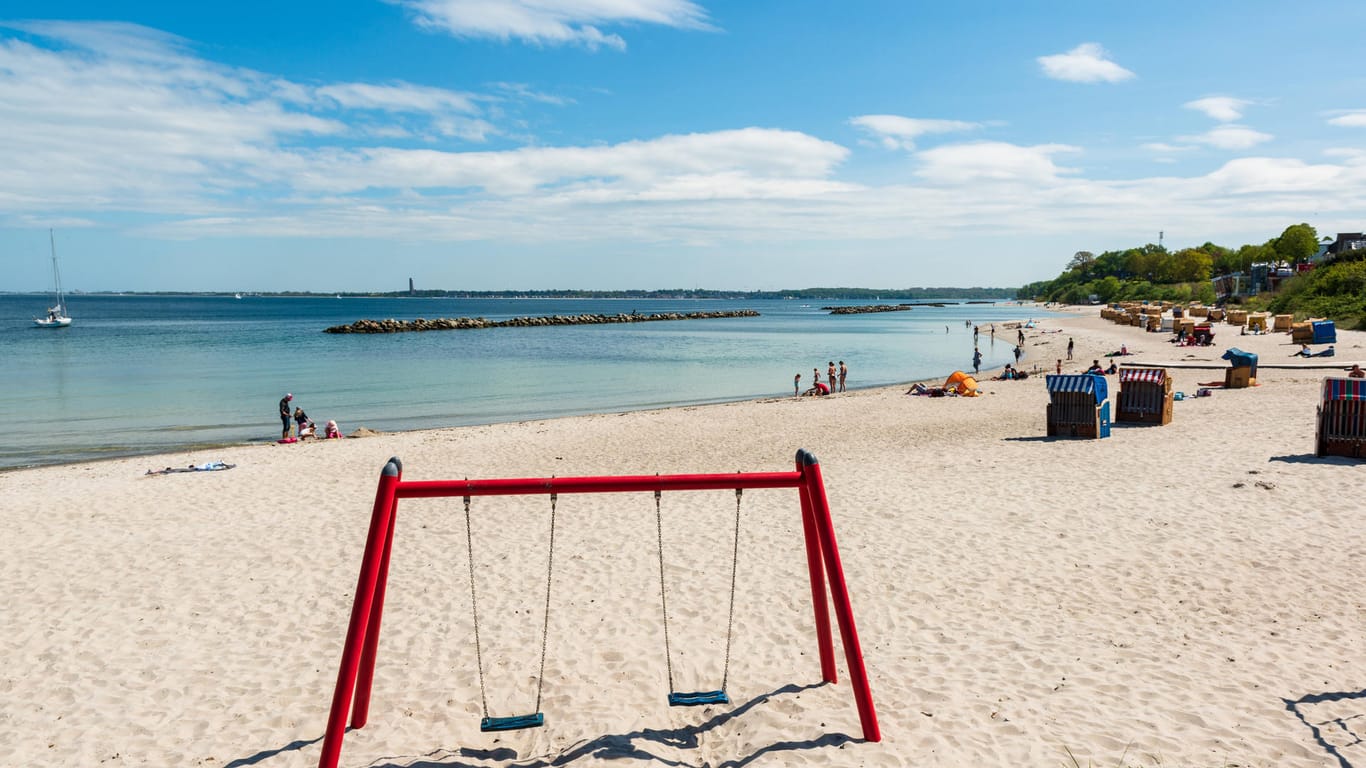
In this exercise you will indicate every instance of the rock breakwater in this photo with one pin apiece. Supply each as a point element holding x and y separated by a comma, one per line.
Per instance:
<point>868,308</point>
<point>471,323</point>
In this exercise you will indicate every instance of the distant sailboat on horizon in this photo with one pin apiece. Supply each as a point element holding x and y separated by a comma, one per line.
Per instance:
<point>56,314</point>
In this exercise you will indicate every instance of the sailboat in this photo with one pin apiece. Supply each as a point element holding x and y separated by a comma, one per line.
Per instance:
<point>56,314</point>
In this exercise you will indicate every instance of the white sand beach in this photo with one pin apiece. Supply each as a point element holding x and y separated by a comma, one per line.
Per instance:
<point>1180,596</point>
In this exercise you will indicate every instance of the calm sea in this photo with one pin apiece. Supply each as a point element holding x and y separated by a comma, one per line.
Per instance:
<point>147,374</point>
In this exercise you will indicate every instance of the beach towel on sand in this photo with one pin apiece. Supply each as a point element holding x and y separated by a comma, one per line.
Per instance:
<point>211,466</point>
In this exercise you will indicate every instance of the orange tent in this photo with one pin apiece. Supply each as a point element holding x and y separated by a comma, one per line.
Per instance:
<point>962,383</point>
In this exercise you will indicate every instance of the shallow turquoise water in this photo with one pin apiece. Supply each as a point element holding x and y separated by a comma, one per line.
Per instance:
<point>143,374</point>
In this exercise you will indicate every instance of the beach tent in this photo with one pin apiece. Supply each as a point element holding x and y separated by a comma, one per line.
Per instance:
<point>1145,396</point>
<point>1244,370</point>
<point>1341,428</point>
<point>1078,405</point>
<point>961,383</point>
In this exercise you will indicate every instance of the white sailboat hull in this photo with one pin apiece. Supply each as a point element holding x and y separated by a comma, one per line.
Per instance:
<point>59,322</point>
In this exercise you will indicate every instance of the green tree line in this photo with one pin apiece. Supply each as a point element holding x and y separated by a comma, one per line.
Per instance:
<point>1152,272</point>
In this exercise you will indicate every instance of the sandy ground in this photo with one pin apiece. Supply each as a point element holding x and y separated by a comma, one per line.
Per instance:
<point>1181,596</point>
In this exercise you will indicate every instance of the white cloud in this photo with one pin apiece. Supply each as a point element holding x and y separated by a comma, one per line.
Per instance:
<point>992,160</point>
<point>1225,109</point>
<point>1230,137</point>
<point>1354,119</point>
<point>1087,63</point>
<point>897,132</point>
<point>397,97</point>
<point>553,22</point>
<point>120,117</point>
<point>1160,146</point>
<point>629,169</point>
<point>1259,175</point>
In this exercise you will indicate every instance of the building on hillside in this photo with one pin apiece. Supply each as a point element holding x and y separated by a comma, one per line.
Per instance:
<point>1347,241</point>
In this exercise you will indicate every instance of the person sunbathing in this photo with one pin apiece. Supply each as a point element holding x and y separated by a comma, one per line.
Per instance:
<point>1356,372</point>
<point>924,391</point>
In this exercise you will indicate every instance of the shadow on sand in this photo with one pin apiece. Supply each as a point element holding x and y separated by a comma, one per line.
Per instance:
<point>1338,729</point>
<point>1309,458</point>
<point>635,745</point>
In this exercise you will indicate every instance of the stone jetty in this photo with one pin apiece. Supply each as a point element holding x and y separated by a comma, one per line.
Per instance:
<point>470,323</point>
<point>868,308</point>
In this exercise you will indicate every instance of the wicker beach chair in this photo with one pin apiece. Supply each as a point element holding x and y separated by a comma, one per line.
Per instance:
<point>1244,370</point>
<point>1078,406</point>
<point>1341,429</point>
<point>1145,396</point>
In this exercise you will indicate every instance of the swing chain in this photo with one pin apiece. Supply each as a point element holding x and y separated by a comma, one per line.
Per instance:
<point>734,564</point>
<point>663,592</point>
<point>474,609</point>
<point>545,626</point>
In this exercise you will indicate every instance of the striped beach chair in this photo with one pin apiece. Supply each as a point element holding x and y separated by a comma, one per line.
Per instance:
<point>1145,396</point>
<point>1341,427</point>
<point>1078,406</point>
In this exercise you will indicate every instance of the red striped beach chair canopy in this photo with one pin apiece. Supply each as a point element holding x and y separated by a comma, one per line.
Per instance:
<point>1145,375</point>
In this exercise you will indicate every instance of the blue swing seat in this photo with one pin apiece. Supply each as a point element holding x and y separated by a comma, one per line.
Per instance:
<point>698,698</point>
<point>512,723</point>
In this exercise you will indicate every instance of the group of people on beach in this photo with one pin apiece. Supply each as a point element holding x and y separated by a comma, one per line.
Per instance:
<point>305,428</point>
<point>834,381</point>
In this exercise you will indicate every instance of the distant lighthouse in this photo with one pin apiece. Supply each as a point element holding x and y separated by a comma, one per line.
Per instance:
<point>410,287</point>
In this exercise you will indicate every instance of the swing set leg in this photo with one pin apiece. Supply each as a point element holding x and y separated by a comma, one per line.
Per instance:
<point>817,573</point>
<point>839,595</point>
<point>361,636</point>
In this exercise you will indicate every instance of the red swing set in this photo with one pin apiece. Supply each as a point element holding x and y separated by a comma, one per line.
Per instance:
<point>356,675</point>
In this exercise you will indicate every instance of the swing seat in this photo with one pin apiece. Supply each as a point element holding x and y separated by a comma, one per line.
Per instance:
<point>512,722</point>
<point>698,698</point>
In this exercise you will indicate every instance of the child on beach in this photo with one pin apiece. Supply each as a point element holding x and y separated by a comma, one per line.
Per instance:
<point>797,385</point>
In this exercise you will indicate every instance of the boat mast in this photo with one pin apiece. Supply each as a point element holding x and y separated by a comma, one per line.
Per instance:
<point>56,275</point>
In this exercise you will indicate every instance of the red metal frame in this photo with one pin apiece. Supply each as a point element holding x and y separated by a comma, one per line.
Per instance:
<point>357,669</point>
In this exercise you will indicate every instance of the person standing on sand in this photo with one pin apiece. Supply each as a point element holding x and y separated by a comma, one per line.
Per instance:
<point>830,375</point>
<point>1019,335</point>
<point>1059,367</point>
<point>815,376</point>
<point>284,415</point>
<point>1018,353</point>
<point>797,385</point>
<point>1069,347</point>
<point>843,372</point>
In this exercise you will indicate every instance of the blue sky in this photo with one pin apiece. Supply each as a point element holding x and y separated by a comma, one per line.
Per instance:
<point>491,144</point>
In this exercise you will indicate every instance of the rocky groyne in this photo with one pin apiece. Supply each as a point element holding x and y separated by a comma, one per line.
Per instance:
<point>868,308</point>
<point>471,323</point>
